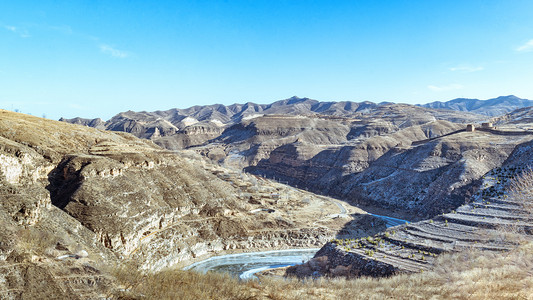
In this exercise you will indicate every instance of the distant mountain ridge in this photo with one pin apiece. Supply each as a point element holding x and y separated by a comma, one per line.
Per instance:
<point>181,128</point>
<point>233,113</point>
<point>491,107</point>
<point>230,114</point>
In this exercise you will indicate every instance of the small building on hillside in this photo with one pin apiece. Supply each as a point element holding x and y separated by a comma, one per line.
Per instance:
<point>487,125</point>
<point>470,128</point>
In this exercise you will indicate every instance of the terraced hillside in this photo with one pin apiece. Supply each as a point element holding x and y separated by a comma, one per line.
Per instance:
<point>495,220</point>
<point>521,118</point>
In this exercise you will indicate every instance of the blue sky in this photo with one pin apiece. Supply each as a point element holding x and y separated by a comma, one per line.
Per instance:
<point>98,58</point>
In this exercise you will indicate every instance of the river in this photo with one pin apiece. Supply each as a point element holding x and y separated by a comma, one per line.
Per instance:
<point>245,265</point>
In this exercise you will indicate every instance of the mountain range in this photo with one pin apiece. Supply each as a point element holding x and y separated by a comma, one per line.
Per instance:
<point>491,107</point>
<point>212,117</point>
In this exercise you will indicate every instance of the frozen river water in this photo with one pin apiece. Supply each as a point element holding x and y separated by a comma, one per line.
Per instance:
<point>245,265</point>
<point>390,221</point>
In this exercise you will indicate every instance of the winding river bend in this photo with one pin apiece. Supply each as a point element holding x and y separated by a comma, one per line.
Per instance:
<point>245,265</point>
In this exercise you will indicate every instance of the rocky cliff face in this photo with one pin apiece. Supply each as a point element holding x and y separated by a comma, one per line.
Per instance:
<point>34,231</point>
<point>138,202</point>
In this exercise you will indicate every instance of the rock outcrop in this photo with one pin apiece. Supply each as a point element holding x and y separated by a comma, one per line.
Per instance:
<point>162,209</point>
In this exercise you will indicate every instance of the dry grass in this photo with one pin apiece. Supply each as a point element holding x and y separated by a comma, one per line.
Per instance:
<point>178,284</point>
<point>466,275</point>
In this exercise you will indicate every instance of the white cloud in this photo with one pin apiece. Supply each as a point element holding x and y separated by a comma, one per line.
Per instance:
<point>445,88</point>
<point>528,46</point>
<point>466,69</point>
<point>113,52</point>
<point>20,31</point>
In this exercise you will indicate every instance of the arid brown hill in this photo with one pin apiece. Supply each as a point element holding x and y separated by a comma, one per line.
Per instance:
<point>421,169</point>
<point>522,118</point>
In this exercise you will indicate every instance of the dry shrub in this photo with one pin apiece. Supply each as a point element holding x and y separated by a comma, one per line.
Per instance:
<point>178,284</point>
<point>522,190</point>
